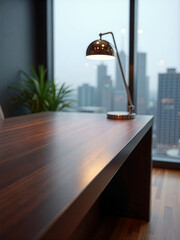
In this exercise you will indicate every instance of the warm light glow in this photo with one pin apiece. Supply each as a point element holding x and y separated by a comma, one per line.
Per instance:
<point>97,42</point>
<point>161,63</point>
<point>123,30</point>
<point>140,31</point>
<point>167,100</point>
<point>102,45</point>
<point>100,57</point>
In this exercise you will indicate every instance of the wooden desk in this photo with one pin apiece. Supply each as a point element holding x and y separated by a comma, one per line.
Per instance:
<point>54,166</point>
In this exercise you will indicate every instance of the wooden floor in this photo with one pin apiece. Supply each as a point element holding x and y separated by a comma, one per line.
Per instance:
<point>165,213</point>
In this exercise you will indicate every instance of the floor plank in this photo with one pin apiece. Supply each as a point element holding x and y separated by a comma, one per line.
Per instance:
<point>165,213</point>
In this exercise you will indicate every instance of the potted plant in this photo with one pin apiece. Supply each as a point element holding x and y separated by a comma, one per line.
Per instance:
<point>37,94</point>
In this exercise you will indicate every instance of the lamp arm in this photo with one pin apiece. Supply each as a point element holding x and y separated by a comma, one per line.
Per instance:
<point>131,106</point>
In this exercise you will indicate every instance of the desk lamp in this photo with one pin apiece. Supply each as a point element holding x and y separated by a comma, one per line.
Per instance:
<point>102,50</point>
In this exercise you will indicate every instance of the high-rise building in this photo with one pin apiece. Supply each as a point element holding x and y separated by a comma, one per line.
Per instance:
<point>107,94</point>
<point>119,93</point>
<point>142,85</point>
<point>86,95</point>
<point>168,110</point>
<point>101,77</point>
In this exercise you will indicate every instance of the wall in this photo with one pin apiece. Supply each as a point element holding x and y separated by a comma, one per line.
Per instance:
<point>21,43</point>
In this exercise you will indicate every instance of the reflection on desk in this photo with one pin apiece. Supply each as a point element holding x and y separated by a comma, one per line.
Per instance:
<point>54,166</point>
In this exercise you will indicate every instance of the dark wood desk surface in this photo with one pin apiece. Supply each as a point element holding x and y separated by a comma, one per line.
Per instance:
<point>53,166</point>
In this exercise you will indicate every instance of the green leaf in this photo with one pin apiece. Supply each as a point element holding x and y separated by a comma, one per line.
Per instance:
<point>38,94</point>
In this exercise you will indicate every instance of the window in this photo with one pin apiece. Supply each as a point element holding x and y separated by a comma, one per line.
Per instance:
<point>158,73</point>
<point>98,85</point>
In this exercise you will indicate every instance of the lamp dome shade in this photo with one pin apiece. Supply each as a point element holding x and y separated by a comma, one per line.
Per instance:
<point>100,50</point>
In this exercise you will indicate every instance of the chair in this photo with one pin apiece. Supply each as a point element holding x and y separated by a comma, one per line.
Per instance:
<point>1,113</point>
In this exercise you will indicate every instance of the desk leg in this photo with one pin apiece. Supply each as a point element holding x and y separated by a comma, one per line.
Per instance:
<point>128,193</point>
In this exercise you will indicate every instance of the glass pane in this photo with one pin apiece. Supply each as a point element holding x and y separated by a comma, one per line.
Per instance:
<point>98,84</point>
<point>158,73</point>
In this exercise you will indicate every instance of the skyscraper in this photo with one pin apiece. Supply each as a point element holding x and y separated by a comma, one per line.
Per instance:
<point>107,94</point>
<point>104,88</point>
<point>86,95</point>
<point>101,76</point>
<point>142,85</point>
<point>119,94</point>
<point>168,111</point>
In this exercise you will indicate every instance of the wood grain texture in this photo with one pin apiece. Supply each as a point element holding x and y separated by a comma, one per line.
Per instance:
<point>53,167</point>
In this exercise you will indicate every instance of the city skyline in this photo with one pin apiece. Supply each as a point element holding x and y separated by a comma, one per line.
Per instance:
<point>110,98</point>
<point>158,37</point>
<point>118,100</point>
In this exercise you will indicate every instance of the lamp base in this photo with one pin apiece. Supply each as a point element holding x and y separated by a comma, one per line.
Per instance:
<point>120,115</point>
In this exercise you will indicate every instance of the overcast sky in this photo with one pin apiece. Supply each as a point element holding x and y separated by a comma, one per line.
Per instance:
<point>78,23</point>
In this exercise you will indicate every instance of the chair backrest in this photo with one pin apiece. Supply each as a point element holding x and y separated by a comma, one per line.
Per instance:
<point>1,113</point>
